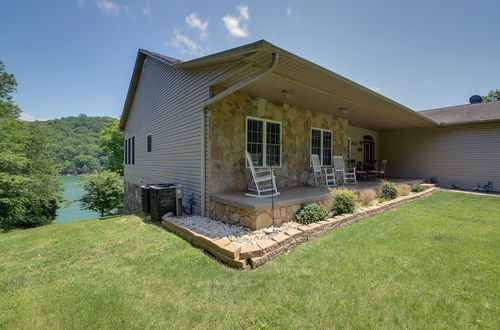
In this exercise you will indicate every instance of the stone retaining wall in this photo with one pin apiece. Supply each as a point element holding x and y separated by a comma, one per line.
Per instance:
<point>252,256</point>
<point>259,219</point>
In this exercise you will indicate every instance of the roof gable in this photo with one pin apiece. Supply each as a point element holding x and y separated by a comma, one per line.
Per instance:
<point>139,62</point>
<point>316,87</point>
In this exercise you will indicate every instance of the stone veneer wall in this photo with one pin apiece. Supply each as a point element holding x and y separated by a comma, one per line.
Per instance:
<point>132,197</point>
<point>259,219</point>
<point>226,163</point>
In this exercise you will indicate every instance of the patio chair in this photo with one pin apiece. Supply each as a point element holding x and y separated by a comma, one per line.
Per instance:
<point>381,172</point>
<point>322,175</point>
<point>263,179</point>
<point>348,175</point>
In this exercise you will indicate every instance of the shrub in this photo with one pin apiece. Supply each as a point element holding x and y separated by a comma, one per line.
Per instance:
<point>417,188</point>
<point>103,192</point>
<point>366,197</point>
<point>343,201</point>
<point>404,190</point>
<point>388,190</point>
<point>310,213</point>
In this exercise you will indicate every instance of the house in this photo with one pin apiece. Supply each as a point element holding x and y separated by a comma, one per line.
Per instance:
<point>463,149</point>
<point>191,123</point>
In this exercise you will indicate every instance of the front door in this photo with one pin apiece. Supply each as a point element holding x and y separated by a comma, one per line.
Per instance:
<point>369,154</point>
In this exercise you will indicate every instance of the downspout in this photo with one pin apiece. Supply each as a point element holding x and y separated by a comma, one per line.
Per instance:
<point>206,113</point>
<point>203,161</point>
<point>244,82</point>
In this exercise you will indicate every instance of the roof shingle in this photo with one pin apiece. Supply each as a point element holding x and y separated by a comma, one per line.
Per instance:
<point>466,113</point>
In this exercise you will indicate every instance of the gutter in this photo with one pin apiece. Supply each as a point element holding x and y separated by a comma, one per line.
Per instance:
<point>473,122</point>
<point>244,82</point>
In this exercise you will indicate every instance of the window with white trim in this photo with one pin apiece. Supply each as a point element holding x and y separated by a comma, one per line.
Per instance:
<point>264,142</point>
<point>321,145</point>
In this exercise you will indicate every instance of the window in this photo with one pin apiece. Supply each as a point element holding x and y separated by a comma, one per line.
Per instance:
<point>264,142</point>
<point>129,148</point>
<point>133,150</point>
<point>321,145</point>
<point>150,142</point>
<point>125,153</point>
<point>128,151</point>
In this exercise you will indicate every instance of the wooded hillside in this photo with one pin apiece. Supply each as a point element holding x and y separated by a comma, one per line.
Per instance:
<point>76,142</point>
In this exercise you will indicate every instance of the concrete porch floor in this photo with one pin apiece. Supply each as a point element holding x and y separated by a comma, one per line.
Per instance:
<point>297,195</point>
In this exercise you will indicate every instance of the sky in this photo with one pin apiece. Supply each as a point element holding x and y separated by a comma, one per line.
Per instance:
<point>76,56</point>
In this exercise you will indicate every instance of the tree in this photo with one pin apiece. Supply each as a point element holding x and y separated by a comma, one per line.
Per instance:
<point>8,85</point>
<point>493,95</point>
<point>30,192</point>
<point>76,142</point>
<point>111,141</point>
<point>103,192</point>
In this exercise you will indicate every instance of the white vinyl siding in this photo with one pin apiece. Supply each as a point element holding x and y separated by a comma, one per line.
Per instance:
<point>321,145</point>
<point>464,155</point>
<point>264,139</point>
<point>168,105</point>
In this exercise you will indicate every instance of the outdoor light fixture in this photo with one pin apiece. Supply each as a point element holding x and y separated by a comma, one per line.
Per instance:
<point>343,110</point>
<point>287,93</point>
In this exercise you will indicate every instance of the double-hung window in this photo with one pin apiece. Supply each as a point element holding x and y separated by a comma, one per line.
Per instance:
<point>264,142</point>
<point>321,145</point>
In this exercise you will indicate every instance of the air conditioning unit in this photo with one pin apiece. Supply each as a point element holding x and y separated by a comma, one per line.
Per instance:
<point>165,198</point>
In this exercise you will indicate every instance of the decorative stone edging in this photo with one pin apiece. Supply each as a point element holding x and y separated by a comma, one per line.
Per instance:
<point>253,256</point>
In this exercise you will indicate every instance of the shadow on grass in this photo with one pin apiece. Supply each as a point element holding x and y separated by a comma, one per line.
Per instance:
<point>111,216</point>
<point>149,221</point>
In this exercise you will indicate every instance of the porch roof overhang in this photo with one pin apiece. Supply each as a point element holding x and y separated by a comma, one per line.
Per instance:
<point>313,86</point>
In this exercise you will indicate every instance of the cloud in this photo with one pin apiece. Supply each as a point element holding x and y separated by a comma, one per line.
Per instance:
<point>129,13</point>
<point>186,45</point>
<point>236,25</point>
<point>375,89</point>
<point>28,117</point>
<point>288,11</point>
<point>195,22</point>
<point>108,7</point>
<point>81,2</point>
<point>146,9</point>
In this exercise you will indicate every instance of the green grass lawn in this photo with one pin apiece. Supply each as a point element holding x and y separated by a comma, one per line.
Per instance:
<point>433,263</point>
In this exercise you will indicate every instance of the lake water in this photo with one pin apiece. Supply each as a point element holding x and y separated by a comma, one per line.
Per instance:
<point>73,190</point>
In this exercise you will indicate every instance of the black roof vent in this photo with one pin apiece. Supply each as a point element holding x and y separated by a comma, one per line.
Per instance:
<point>475,99</point>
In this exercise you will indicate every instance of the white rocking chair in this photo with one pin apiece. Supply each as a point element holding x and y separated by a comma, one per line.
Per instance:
<point>322,175</point>
<point>381,172</point>
<point>264,181</point>
<point>348,175</point>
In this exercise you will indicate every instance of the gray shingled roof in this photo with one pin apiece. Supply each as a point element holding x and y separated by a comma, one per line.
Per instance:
<point>466,113</point>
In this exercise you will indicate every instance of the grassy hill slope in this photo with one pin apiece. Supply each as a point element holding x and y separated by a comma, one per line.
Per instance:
<point>432,263</point>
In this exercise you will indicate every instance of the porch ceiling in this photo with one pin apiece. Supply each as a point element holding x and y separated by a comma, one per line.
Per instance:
<point>319,89</point>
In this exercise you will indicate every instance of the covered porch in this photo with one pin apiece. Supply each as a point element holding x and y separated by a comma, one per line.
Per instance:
<point>255,213</point>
